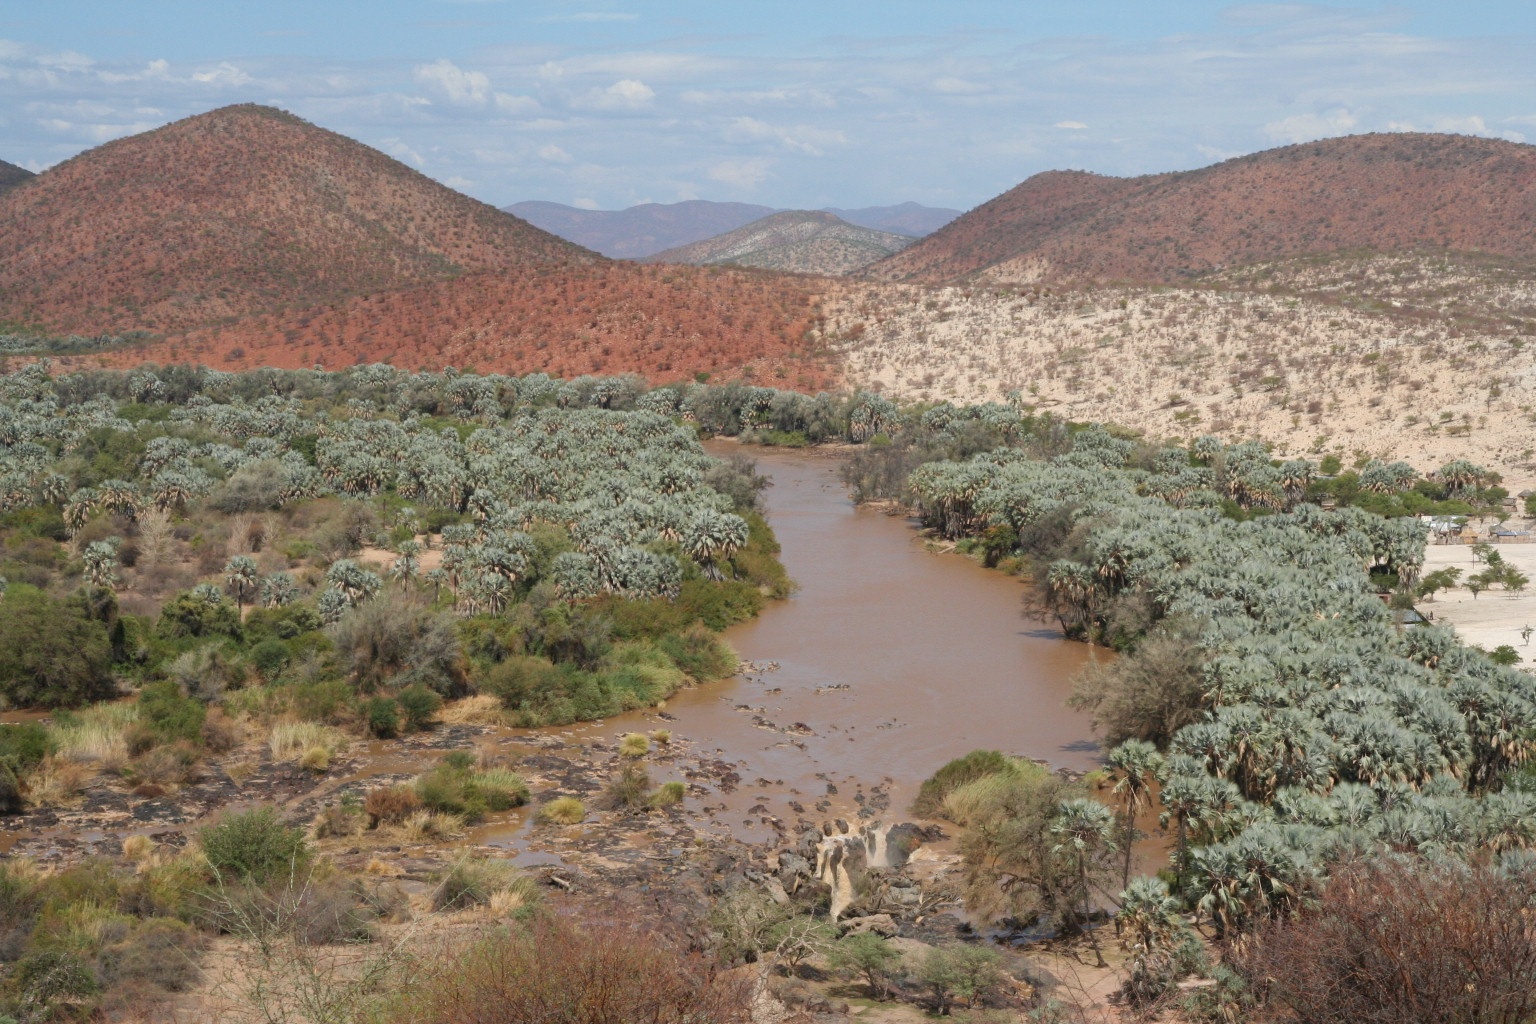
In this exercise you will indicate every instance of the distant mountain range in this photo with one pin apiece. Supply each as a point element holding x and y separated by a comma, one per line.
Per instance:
<point>1385,193</point>
<point>798,241</point>
<point>650,228</point>
<point>11,175</point>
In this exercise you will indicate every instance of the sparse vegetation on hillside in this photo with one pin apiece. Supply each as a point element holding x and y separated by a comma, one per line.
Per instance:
<point>1413,357</point>
<point>798,241</point>
<point>1394,192</point>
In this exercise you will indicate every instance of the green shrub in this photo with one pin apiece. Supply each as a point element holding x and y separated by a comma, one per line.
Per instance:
<point>381,717</point>
<point>270,656</point>
<point>188,614</point>
<point>325,700</point>
<point>23,746</point>
<point>253,845</point>
<point>11,801</point>
<point>975,765</point>
<point>419,705</point>
<point>635,744</point>
<point>701,654</point>
<point>171,715</point>
<point>52,654</point>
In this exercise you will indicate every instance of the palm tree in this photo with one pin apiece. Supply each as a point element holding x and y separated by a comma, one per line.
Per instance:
<point>406,564</point>
<point>100,559</point>
<point>1085,831</point>
<point>354,583</point>
<point>278,590</point>
<point>241,574</point>
<point>1133,767</point>
<point>1150,929</point>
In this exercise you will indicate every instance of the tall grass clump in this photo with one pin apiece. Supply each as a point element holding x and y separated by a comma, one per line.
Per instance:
<point>563,810</point>
<point>292,741</point>
<point>935,789</point>
<point>454,786</point>
<point>98,734</point>
<point>474,882</point>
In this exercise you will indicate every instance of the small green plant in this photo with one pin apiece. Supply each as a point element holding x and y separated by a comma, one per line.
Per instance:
<point>629,790</point>
<point>668,794</point>
<point>635,744</point>
<point>253,845</point>
<point>381,716</point>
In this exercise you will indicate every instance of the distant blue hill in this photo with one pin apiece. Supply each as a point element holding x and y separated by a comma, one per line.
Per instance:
<point>650,228</point>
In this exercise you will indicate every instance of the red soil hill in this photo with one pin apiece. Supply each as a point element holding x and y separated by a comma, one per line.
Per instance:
<point>1394,192</point>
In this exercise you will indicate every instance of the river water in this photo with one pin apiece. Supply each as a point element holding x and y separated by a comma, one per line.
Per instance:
<point>934,650</point>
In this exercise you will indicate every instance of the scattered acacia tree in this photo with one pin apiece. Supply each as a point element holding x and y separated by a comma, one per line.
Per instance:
<point>1441,579</point>
<point>868,957</point>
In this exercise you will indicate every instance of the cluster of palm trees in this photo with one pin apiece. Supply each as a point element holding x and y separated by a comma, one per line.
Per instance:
<point>1324,728</point>
<point>626,484</point>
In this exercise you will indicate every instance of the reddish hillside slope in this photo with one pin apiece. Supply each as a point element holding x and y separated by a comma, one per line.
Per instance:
<point>666,323</point>
<point>11,175</point>
<point>242,210</point>
<point>1396,192</point>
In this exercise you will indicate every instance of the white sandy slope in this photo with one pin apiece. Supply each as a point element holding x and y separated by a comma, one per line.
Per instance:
<point>1417,376</point>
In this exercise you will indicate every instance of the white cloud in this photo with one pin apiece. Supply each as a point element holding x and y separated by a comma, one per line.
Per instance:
<point>591,17</point>
<point>804,139</point>
<point>1306,127</point>
<point>460,183</point>
<point>453,83</point>
<point>958,87</point>
<point>742,174</point>
<point>1073,125</point>
<point>625,94</point>
<point>1472,125</point>
<point>585,203</point>
<point>224,73</point>
<point>469,89</point>
<point>554,154</point>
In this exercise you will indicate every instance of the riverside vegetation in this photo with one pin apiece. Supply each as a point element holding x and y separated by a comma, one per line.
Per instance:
<point>195,557</point>
<point>1309,751</point>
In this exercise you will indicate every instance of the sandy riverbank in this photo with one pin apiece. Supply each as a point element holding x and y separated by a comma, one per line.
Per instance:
<point>1495,616</point>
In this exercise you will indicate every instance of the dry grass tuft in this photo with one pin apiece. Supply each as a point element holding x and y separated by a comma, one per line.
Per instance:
<point>481,709</point>
<point>294,741</point>
<point>563,810</point>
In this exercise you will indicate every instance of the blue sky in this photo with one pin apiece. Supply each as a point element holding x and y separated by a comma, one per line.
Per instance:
<point>607,103</point>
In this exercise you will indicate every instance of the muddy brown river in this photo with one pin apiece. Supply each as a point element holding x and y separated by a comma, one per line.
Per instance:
<point>934,651</point>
